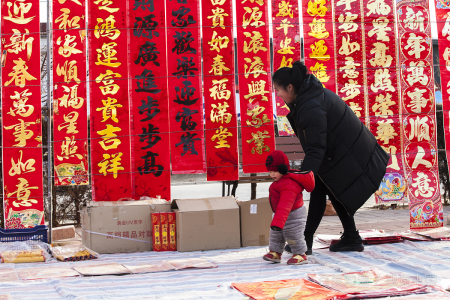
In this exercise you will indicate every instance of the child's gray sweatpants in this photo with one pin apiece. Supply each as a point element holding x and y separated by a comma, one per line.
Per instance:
<point>292,233</point>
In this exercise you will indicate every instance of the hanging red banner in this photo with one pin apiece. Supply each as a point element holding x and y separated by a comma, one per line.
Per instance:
<point>21,106</point>
<point>109,100</point>
<point>318,40</point>
<point>419,119</point>
<point>255,84</point>
<point>150,106</point>
<point>70,130</point>
<point>219,91</point>
<point>286,50</point>
<point>185,94</point>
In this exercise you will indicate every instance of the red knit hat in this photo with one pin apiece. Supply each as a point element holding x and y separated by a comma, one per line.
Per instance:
<point>277,161</point>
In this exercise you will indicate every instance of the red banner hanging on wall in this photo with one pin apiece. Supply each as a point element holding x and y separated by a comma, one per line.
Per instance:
<point>319,40</point>
<point>21,107</point>
<point>255,84</point>
<point>419,119</point>
<point>70,130</point>
<point>219,91</point>
<point>150,106</point>
<point>286,50</point>
<point>109,100</point>
<point>185,94</point>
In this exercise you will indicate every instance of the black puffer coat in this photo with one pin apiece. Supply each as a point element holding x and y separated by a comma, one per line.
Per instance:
<point>338,147</point>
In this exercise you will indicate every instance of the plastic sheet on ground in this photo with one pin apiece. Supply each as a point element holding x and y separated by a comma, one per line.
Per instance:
<point>24,252</point>
<point>191,263</point>
<point>46,273</point>
<point>101,269</point>
<point>149,268</point>
<point>441,233</point>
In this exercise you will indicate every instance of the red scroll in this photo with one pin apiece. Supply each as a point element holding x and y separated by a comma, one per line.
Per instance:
<point>21,113</point>
<point>109,104</point>
<point>185,94</point>
<point>419,121</point>
<point>286,50</point>
<point>219,91</point>
<point>70,130</point>
<point>150,111</point>
<point>318,40</point>
<point>255,84</point>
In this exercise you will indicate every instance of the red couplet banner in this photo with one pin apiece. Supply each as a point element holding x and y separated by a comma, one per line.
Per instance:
<point>70,130</point>
<point>286,50</point>
<point>219,91</point>
<point>255,84</point>
<point>21,114</point>
<point>150,106</point>
<point>419,120</point>
<point>319,40</point>
<point>109,100</point>
<point>185,94</point>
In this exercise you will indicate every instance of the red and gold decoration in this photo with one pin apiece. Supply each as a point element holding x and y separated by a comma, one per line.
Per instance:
<point>219,91</point>
<point>109,100</point>
<point>255,84</point>
<point>21,114</point>
<point>70,132</point>
<point>286,50</point>
<point>418,119</point>
<point>149,100</point>
<point>318,40</point>
<point>185,95</point>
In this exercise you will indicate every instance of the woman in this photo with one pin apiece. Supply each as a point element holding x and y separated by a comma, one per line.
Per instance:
<point>343,154</point>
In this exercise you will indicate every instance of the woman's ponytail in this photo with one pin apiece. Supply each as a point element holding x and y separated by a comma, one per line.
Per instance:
<point>295,76</point>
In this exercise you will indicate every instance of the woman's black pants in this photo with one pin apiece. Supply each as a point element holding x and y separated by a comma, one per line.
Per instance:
<point>317,205</point>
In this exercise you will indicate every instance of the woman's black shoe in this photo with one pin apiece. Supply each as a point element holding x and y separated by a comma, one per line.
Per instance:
<point>350,241</point>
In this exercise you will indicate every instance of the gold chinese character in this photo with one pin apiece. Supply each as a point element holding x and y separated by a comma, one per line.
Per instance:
<point>68,149</point>
<point>260,2</point>
<point>218,42</point>
<point>382,107</point>
<point>285,62</point>
<point>64,1</point>
<point>380,58</point>
<point>20,167</point>
<point>109,86</point>
<point>256,67</point>
<point>19,74</point>
<point>254,113</point>
<point>21,132</point>
<point>380,28</point>
<point>446,29</point>
<point>319,51</point>
<point>285,48</point>
<point>257,88</point>
<point>318,29</point>
<point>21,107</point>
<point>347,22</point>
<point>23,194</point>
<point>419,129</point>
<point>71,99</point>
<point>417,73</point>
<point>109,137</point>
<point>220,114</point>
<point>317,8</point>
<point>68,48</point>
<point>218,17</point>
<point>285,9</point>
<point>415,44</point>
<point>348,47</point>
<point>108,52</point>
<point>258,139</point>
<point>18,13</point>
<point>319,70</point>
<point>69,70</point>
<point>106,28</point>
<point>351,89</point>
<point>350,68</point>
<point>105,5</point>
<point>347,3</point>
<point>70,122</point>
<point>67,23</point>
<point>378,7</point>
<point>109,109</point>
<point>356,108</point>
<point>382,81</point>
<point>111,164</point>
<point>393,151</point>
<point>417,100</point>
<point>19,43</point>
<point>255,44</point>
<point>385,131</point>
<point>218,66</point>
<point>219,89</point>
<point>285,25</point>
<point>414,20</point>
<point>253,19</point>
<point>221,136</point>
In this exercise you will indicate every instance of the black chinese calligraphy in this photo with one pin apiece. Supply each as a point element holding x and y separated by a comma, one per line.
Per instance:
<point>150,109</point>
<point>144,4</point>
<point>150,136</point>
<point>185,117</point>
<point>187,140</point>
<point>183,42</point>
<point>182,18</point>
<point>146,82</point>
<point>150,166</point>
<point>147,53</point>
<point>185,68</point>
<point>185,93</point>
<point>145,27</point>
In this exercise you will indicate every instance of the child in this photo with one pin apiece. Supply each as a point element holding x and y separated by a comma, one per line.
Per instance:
<point>286,200</point>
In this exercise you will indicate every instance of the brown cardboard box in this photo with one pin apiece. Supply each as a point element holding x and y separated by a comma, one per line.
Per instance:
<point>256,216</point>
<point>119,226</point>
<point>63,233</point>
<point>207,224</point>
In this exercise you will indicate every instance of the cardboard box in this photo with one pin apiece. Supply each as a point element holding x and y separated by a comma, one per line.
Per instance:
<point>207,224</point>
<point>173,231</point>
<point>164,231</point>
<point>156,231</point>
<point>63,233</point>
<point>256,217</point>
<point>119,226</point>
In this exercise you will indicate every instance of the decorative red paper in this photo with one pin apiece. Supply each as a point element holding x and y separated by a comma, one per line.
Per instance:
<point>21,107</point>
<point>70,130</point>
<point>149,100</point>
<point>109,100</point>
<point>219,91</point>
<point>286,50</point>
<point>419,119</point>
<point>255,84</point>
<point>319,41</point>
<point>185,94</point>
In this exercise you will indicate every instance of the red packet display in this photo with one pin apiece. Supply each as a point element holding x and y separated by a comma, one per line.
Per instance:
<point>156,231</point>
<point>164,232</point>
<point>172,232</point>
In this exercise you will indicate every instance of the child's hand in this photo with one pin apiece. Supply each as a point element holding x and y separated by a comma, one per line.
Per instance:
<point>275,228</point>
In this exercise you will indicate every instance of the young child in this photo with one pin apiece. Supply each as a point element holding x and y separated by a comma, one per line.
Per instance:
<point>286,199</point>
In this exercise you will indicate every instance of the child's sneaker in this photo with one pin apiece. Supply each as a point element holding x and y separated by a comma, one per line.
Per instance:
<point>298,260</point>
<point>273,257</point>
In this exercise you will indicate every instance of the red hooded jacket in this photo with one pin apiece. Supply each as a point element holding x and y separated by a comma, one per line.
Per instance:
<point>286,195</point>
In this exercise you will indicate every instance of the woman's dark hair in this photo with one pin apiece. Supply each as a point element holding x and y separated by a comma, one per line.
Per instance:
<point>295,76</point>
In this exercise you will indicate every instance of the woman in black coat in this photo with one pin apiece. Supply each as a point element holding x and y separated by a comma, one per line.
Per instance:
<point>345,157</point>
